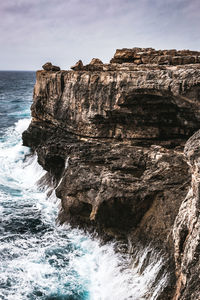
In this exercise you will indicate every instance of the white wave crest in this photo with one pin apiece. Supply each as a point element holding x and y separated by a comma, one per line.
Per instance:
<point>42,260</point>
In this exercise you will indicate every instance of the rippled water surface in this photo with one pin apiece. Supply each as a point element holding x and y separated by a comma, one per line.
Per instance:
<point>38,259</point>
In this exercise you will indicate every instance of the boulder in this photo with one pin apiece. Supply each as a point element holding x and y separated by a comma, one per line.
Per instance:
<point>55,68</point>
<point>164,59</point>
<point>49,67</point>
<point>96,61</point>
<point>78,66</point>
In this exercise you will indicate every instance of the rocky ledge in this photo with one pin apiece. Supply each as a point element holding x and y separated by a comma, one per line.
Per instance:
<point>113,137</point>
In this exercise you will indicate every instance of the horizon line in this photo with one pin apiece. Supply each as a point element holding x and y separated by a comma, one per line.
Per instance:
<point>10,70</point>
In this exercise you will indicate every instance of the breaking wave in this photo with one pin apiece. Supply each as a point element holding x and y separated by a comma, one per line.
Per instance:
<point>40,260</point>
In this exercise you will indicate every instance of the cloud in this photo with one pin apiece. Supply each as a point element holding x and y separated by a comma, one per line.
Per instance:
<point>63,31</point>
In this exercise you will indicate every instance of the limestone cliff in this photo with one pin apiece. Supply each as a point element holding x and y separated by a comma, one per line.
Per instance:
<point>112,135</point>
<point>186,231</point>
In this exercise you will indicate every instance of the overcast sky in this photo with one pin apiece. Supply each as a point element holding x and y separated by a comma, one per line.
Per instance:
<point>33,32</point>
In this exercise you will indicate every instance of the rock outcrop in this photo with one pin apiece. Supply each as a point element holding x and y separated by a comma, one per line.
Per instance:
<point>78,66</point>
<point>49,67</point>
<point>186,230</point>
<point>112,135</point>
<point>96,61</point>
<point>152,56</point>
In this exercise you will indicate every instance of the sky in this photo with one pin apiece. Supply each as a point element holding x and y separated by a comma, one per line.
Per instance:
<point>33,32</point>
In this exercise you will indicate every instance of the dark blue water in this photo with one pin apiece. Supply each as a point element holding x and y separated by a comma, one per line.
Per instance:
<point>16,90</point>
<point>38,259</point>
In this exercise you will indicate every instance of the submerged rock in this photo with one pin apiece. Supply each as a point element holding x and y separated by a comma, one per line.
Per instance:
<point>113,136</point>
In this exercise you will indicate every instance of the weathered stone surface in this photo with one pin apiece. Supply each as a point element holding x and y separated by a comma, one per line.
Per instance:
<point>113,136</point>
<point>55,68</point>
<point>120,187</point>
<point>96,61</point>
<point>186,230</point>
<point>78,66</point>
<point>49,67</point>
<point>152,56</point>
<point>155,105</point>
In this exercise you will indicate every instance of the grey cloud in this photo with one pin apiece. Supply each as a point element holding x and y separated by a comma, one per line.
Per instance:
<point>65,30</point>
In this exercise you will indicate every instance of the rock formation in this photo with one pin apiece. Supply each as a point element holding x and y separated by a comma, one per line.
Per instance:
<point>186,231</point>
<point>78,66</point>
<point>96,61</point>
<point>152,56</point>
<point>49,67</point>
<point>113,135</point>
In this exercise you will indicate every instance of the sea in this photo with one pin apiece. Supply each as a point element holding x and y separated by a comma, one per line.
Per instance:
<point>38,258</point>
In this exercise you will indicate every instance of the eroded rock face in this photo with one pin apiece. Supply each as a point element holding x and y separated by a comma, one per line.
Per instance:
<point>113,136</point>
<point>152,56</point>
<point>49,67</point>
<point>78,66</point>
<point>144,104</point>
<point>186,230</point>
<point>96,61</point>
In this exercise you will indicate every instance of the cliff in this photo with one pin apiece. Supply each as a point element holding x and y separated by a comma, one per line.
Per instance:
<point>112,136</point>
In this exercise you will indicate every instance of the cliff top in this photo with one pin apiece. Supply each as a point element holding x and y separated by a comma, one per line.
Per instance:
<point>137,58</point>
<point>152,56</point>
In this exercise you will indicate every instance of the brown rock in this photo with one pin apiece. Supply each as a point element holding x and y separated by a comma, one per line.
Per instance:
<point>145,59</point>
<point>186,231</point>
<point>55,68</point>
<point>176,60</point>
<point>124,55</point>
<point>152,56</point>
<point>164,59</point>
<point>47,66</point>
<point>138,55</point>
<point>189,60</point>
<point>96,61</point>
<point>123,127</point>
<point>137,61</point>
<point>78,66</point>
<point>171,52</point>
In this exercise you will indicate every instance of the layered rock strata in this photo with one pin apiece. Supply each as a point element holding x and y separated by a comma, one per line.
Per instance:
<point>112,135</point>
<point>186,231</point>
<point>152,56</point>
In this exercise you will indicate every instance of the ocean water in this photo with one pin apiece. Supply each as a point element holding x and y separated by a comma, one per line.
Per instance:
<point>38,259</point>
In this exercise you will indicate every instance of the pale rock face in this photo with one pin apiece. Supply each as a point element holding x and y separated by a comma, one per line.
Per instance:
<point>121,128</point>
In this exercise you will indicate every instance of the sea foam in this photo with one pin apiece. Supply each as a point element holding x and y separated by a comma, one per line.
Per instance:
<point>40,260</point>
